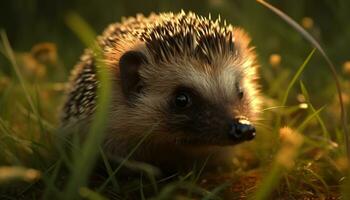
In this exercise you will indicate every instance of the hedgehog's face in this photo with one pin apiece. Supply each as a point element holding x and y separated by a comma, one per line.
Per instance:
<point>209,102</point>
<point>202,118</point>
<point>196,103</point>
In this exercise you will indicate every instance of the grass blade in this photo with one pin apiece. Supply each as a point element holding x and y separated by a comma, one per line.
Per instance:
<point>86,193</point>
<point>216,191</point>
<point>313,41</point>
<point>126,159</point>
<point>109,170</point>
<point>318,117</point>
<point>290,85</point>
<point>50,182</point>
<point>302,126</point>
<point>9,54</point>
<point>84,163</point>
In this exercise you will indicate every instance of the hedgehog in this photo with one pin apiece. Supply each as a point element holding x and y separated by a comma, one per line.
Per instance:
<point>190,79</point>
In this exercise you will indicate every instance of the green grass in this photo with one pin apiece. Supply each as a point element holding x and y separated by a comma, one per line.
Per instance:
<point>300,150</point>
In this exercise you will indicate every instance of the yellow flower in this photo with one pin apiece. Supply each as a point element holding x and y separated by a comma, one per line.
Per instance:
<point>275,60</point>
<point>346,67</point>
<point>8,174</point>
<point>307,22</point>
<point>290,144</point>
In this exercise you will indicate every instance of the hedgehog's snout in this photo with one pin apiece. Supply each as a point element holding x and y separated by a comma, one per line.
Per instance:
<point>241,130</point>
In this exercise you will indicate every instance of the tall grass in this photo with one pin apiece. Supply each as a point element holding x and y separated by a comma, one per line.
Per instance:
<point>310,39</point>
<point>272,178</point>
<point>343,111</point>
<point>83,163</point>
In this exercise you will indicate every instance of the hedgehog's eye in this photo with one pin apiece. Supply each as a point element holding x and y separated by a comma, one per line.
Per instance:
<point>240,92</point>
<point>182,100</point>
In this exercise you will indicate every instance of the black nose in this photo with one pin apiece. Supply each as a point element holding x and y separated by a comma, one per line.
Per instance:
<point>242,130</point>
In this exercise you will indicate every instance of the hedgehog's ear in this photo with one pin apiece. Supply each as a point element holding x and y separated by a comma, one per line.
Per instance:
<point>129,65</point>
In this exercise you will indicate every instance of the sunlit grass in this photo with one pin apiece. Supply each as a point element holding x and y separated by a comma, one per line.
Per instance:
<point>83,161</point>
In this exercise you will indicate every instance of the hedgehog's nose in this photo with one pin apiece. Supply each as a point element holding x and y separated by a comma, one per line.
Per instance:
<point>242,130</point>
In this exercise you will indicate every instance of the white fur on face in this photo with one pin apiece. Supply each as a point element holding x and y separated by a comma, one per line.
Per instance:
<point>216,82</point>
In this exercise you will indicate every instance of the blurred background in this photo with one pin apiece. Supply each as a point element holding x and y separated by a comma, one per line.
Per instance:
<point>39,27</point>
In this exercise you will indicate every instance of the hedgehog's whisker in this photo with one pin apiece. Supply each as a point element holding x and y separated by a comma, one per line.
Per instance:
<point>272,107</point>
